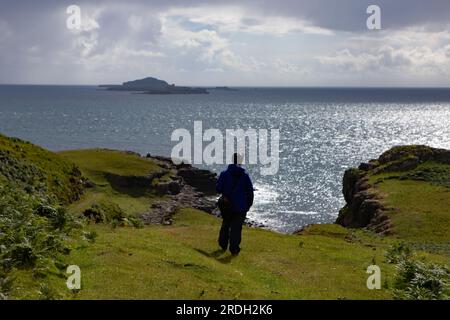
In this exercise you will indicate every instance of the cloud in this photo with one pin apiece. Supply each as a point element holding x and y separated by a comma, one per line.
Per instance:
<point>228,19</point>
<point>447,50</point>
<point>350,15</point>
<point>247,42</point>
<point>412,51</point>
<point>381,58</point>
<point>204,32</point>
<point>5,31</point>
<point>205,45</point>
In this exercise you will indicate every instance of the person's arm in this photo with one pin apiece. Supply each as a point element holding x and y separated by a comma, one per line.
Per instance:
<point>250,194</point>
<point>220,182</point>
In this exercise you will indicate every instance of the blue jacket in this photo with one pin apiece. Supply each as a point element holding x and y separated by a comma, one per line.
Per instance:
<point>242,196</point>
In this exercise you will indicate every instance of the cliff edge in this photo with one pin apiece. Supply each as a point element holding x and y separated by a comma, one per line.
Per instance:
<point>405,185</point>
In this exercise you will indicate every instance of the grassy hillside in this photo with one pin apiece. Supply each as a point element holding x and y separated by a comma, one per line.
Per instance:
<point>38,171</point>
<point>118,180</point>
<point>421,212</point>
<point>97,163</point>
<point>35,186</point>
<point>419,201</point>
<point>182,260</point>
<point>405,195</point>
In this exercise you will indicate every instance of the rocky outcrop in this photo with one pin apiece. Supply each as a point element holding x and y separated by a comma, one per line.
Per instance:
<point>422,153</point>
<point>171,187</point>
<point>144,182</point>
<point>186,187</point>
<point>203,180</point>
<point>162,212</point>
<point>364,206</point>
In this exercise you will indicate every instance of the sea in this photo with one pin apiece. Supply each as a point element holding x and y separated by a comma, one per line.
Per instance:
<point>323,132</point>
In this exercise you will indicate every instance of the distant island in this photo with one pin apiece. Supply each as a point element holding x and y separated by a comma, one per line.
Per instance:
<point>225,89</point>
<point>152,85</point>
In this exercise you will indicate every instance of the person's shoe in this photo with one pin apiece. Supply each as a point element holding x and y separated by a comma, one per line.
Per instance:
<point>235,252</point>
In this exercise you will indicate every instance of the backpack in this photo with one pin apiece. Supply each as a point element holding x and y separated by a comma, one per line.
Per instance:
<point>224,204</point>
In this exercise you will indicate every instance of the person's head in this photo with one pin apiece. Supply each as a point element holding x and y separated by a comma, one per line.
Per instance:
<point>237,158</point>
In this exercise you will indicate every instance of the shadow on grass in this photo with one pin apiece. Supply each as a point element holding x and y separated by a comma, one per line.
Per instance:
<point>133,186</point>
<point>217,255</point>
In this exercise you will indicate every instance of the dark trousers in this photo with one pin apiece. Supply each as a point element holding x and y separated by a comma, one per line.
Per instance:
<point>230,232</point>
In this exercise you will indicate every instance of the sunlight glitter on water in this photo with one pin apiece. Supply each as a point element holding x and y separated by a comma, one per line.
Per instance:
<point>323,131</point>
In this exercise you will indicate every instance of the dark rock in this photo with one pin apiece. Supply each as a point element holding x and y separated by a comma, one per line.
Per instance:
<point>175,187</point>
<point>402,165</point>
<point>366,166</point>
<point>187,197</point>
<point>359,198</point>
<point>118,181</point>
<point>254,224</point>
<point>351,177</point>
<point>183,165</point>
<point>163,159</point>
<point>165,166</point>
<point>171,187</point>
<point>88,183</point>
<point>381,223</point>
<point>202,180</point>
<point>362,203</point>
<point>367,211</point>
<point>362,184</point>
<point>162,188</point>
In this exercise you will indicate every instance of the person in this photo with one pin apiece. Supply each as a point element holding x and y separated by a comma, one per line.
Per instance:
<point>236,188</point>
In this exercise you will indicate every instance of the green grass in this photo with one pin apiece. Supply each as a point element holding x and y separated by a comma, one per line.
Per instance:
<point>129,204</point>
<point>421,212</point>
<point>36,170</point>
<point>35,184</point>
<point>98,164</point>
<point>94,163</point>
<point>181,261</point>
<point>420,199</point>
<point>430,172</point>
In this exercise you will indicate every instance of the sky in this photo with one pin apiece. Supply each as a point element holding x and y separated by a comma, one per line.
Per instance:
<point>233,43</point>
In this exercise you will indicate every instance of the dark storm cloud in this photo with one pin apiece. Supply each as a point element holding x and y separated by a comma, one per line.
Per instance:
<point>35,46</point>
<point>338,15</point>
<point>348,14</point>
